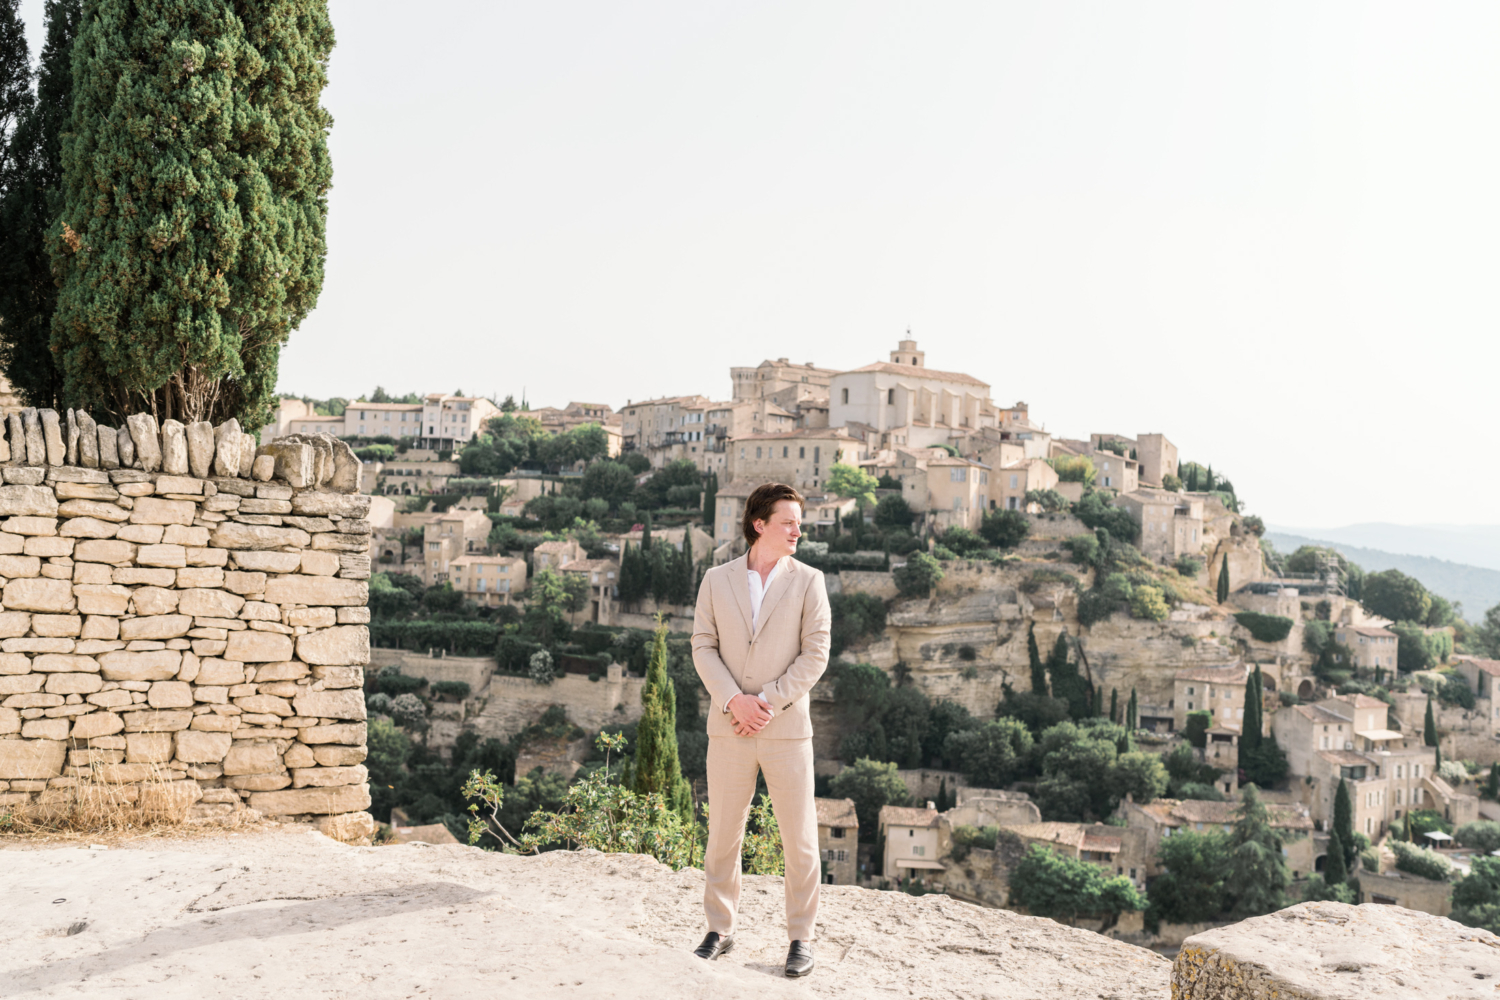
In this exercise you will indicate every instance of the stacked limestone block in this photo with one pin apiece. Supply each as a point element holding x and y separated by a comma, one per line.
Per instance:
<point>182,617</point>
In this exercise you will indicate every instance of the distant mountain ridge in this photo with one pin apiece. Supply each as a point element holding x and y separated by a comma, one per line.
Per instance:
<point>1477,588</point>
<point>1467,544</point>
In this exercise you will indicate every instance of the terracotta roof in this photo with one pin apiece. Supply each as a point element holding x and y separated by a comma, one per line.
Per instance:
<point>1070,834</point>
<point>1097,840</point>
<point>919,372</point>
<point>907,816</point>
<point>1235,673</point>
<point>1317,713</point>
<point>1491,667</point>
<point>1174,813</point>
<point>1344,758</point>
<point>548,548</point>
<point>587,565</point>
<point>836,812</point>
<point>1362,700</point>
<point>1368,630</point>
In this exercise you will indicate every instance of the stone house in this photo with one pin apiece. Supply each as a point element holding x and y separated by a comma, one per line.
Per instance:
<point>448,536</point>
<point>1220,690</point>
<point>1158,458</point>
<point>800,458</point>
<point>1387,772</point>
<point>1403,889</point>
<point>1117,850</point>
<point>397,420</point>
<point>958,493</point>
<point>602,576</point>
<point>315,424</point>
<point>1162,818</point>
<point>555,555</point>
<point>488,580</point>
<point>838,841</point>
<point>1371,645</point>
<point>1014,480</point>
<point>674,427</point>
<point>903,402</point>
<point>911,841</point>
<point>1171,523</point>
<point>452,421</point>
<point>782,382</point>
<point>416,472</point>
<point>1115,472</point>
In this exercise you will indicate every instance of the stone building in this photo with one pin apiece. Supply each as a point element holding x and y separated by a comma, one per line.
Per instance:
<point>1117,850</point>
<point>1220,690</point>
<point>602,577</point>
<point>448,536</point>
<point>1162,818</point>
<point>397,420</point>
<point>1014,480</point>
<point>838,841</point>
<point>911,842</point>
<point>452,421</point>
<point>1371,645</point>
<point>1115,472</point>
<point>800,458</point>
<point>958,493</point>
<point>1158,458</point>
<point>656,427</point>
<point>555,555</point>
<point>902,402</point>
<point>1171,523</point>
<point>781,382</point>
<point>488,580</point>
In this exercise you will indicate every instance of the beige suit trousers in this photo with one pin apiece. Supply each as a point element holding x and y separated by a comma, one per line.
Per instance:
<point>733,762</point>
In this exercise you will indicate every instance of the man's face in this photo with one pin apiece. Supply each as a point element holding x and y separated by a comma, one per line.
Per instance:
<point>779,535</point>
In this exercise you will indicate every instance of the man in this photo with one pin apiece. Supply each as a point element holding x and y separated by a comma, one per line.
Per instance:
<point>760,643</point>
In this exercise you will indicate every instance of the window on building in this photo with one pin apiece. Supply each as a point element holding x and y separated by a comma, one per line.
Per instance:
<point>817,453</point>
<point>801,452</point>
<point>1015,482</point>
<point>846,395</point>
<point>757,451</point>
<point>919,852</point>
<point>836,832</point>
<point>785,451</point>
<point>890,397</point>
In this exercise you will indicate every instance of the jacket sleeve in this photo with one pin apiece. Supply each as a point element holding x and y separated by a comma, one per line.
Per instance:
<point>712,672</point>
<point>804,671</point>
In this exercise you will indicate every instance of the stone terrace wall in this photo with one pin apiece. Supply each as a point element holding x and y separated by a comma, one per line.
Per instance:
<point>183,620</point>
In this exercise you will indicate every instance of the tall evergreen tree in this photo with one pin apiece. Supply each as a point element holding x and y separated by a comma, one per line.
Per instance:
<point>710,499</point>
<point>30,199</point>
<point>1257,869</point>
<point>1429,726</point>
<point>1223,589</point>
<point>195,192</point>
<point>1334,869</point>
<point>1038,671</point>
<point>1250,728</point>
<point>15,75</point>
<point>646,533</point>
<point>1343,820</point>
<point>686,568</point>
<point>1067,684</point>
<point>1132,713</point>
<point>1114,705</point>
<point>657,766</point>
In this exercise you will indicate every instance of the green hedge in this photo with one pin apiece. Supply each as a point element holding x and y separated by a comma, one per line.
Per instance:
<point>1420,861</point>
<point>1265,628</point>
<point>457,638</point>
<point>514,654</point>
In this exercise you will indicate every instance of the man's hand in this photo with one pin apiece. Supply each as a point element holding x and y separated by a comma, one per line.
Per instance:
<point>750,713</point>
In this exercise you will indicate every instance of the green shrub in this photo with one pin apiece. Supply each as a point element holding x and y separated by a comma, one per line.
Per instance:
<point>396,684</point>
<point>458,690</point>
<point>1189,566</point>
<point>459,638</point>
<point>920,574</point>
<point>963,542</point>
<point>1083,549</point>
<point>1265,628</point>
<point>1148,604</point>
<point>1095,606</point>
<point>1420,861</point>
<point>1041,577</point>
<point>1483,835</point>
<point>1005,529</point>
<point>966,838</point>
<point>856,616</point>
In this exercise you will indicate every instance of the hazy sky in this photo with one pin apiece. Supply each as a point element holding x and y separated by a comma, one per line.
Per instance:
<point>1268,230</point>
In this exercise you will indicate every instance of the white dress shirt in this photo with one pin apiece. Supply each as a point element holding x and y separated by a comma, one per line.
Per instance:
<point>758,591</point>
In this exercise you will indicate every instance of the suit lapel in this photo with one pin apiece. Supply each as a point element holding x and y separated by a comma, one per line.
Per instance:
<point>778,587</point>
<point>740,586</point>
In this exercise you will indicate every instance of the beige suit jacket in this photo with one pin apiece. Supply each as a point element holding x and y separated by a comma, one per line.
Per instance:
<point>780,661</point>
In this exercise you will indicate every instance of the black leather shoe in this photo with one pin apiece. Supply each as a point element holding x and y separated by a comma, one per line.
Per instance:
<point>713,946</point>
<point>799,959</point>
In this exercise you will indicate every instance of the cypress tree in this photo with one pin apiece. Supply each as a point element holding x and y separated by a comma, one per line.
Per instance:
<point>30,196</point>
<point>1429,727</point>
<point>1114,705</point>
<point>1038,672</point>
<point>1132,713</point>
<point>657,766</point>
<point>942,798</point>
<point>1334,869</point>
<point>1492,784</point>
<point>1406,827</point>
<point>190,241</point>
<point>687,568</point>
<point>710,499</point>
<point>1223,590</point>
<point>1343,819</point>
<point>1257,870</point>
<point>646,533</point>
<point>1066,682</point>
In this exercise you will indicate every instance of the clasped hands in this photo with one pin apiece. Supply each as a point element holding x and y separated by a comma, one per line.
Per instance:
<point>750,713</point>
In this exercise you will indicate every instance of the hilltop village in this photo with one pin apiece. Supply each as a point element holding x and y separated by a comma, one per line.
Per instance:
<point>1039,639</point>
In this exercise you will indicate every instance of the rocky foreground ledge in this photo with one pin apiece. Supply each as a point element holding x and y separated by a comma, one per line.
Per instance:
<point>292,913</point>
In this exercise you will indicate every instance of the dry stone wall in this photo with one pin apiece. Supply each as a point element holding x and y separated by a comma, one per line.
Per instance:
<point>182,620</point>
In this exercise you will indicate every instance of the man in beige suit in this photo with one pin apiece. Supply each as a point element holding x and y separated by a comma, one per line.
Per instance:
<point>760,643</point>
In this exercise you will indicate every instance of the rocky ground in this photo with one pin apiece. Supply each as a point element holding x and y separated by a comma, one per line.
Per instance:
<point>286,911</point>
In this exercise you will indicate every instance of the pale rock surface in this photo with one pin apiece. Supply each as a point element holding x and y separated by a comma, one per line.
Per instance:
<point>1334,951</point>
<point>109,448</point>
<point>174,451</point>
<point>125,444</point>
<point>227,448</point>
<point>36,443</point>
<point>200,448</point>
<point>291,913</point>
<point>147,440</point>
<point>88,441</point>
<point>57,449</point>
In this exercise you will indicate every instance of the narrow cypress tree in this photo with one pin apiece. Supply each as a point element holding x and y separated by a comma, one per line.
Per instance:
<point>1492,784</point>
<point>646,533</point>
<point>1066,682</point>
<point>1223,590</point>
<point>1429,726</point>
<point>1132,713</point>
<point>195,194</point>
<point>942,798</point>
<point>30,199</point>
<point>1343,819</point>
<point>657,766</point>
<point>710,499</point>
<point>1038,671</point>
<point>1257,870</point>
<point>1334,869</point>
<point>1114,705</point>
<point>1406,827</point>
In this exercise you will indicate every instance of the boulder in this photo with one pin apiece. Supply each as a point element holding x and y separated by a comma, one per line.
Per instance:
<point>346,704</point>
<point>31,760</point>
<point>39,594</point>
<point>28,501</point>
<point>57,449</point>
<point>195,747</point>
<point>88,441</point>
<point>227,448</point>
<point>263,468</point>
<point>342,645</point>
<point>200,448</point>
<point>258,647</point>
<point>1334,951</point>
<point>346,468</point>
<point>125,444</point>
<point>295,462</point>
<point>174,452</point>
<point>108,445</point>
<point>146,437</point>
<point>317,801</point>
<point>36,443</point>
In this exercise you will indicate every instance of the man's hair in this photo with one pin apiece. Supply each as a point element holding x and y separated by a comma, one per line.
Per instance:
<point>762,504</point>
